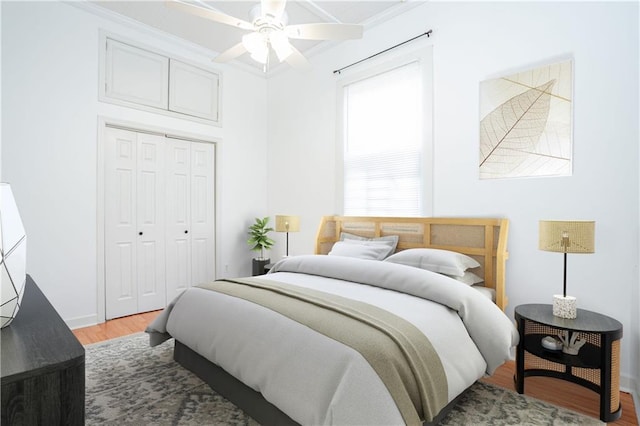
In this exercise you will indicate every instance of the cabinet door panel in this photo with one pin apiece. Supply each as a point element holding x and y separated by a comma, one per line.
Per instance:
<point>136,75</point>
<point>193,91</point>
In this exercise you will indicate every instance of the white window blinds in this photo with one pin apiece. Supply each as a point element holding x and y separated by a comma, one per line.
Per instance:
<point>383,144</point>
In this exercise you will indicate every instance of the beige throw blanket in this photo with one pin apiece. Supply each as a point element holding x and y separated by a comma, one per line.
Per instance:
<point>400,354</point>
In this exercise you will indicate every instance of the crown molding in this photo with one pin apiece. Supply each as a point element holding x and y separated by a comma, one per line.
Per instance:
<point>156,33</point>
<point>85,5</point>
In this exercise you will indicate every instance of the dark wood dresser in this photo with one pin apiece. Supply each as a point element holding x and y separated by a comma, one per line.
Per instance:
<point>42,366</point>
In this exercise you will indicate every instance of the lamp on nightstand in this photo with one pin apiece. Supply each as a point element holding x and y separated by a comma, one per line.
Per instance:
<point>287,224</point>
<point>574,236</point>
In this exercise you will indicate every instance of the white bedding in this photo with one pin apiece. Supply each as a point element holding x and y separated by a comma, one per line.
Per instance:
<point>316,380</point>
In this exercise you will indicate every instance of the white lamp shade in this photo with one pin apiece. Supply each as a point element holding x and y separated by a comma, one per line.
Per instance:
<point>280,43</point>
<point>13,256</point>
<point>256,45</point>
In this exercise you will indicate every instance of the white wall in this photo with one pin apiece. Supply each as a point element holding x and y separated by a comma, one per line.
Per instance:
<point>0,94</point>
<point>472,42</point>
<point>50,131</point>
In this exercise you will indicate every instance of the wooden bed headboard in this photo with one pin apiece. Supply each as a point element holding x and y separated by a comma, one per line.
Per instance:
<point>484,239</point>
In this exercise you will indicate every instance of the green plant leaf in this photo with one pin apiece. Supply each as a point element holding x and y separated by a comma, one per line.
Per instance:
<point>258,235</point>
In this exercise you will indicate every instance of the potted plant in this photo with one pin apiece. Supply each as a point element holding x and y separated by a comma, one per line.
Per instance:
<point>259,241</point>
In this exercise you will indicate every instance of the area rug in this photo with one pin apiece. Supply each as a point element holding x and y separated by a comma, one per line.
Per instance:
<point>129,383</point>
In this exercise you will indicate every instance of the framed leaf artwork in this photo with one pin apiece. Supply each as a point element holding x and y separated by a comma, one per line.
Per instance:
<point>526,123</point>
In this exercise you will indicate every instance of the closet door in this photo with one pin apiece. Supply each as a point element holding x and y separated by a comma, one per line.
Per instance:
<point>134,225</point>
<point>178,216</point>
<point>202,212</point>
<point>152,293</point>
<point>190,214</point>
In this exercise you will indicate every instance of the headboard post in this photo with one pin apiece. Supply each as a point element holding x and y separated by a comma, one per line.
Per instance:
<point>484,239</point>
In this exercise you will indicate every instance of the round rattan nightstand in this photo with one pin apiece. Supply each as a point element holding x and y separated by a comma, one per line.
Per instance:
<point>597,364</point>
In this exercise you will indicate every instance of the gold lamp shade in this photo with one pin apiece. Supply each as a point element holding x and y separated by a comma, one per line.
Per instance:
<point>287,223</point>
<point>567,236</point>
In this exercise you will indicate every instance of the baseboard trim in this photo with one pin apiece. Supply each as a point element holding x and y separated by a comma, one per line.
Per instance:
<point>79,322</point>
<point>631,386</point>
<point>636,399</point>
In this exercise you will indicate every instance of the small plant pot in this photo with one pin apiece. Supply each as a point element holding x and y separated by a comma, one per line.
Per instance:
<point>258,266</point>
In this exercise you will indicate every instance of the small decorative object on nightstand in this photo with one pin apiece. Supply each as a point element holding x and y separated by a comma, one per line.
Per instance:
<point>590,354</point>
<point>551,343</point>
<point>573,236</point>
<point>571,345</point>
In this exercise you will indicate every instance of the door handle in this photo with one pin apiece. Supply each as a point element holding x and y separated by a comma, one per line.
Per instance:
<point>186,232</point>
<point>140,233</point>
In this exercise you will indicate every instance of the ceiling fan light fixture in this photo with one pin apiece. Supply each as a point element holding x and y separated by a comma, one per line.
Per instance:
<point>254,42</point>
<point>269,29</point>
<point>280,43</point>
<point>260,57</point>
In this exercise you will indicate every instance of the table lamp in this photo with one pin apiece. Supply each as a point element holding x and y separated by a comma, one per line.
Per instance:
<point>287,224</point>
<point>572,236</point>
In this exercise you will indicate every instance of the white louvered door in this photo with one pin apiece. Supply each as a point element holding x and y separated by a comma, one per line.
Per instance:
<point>159,219</point>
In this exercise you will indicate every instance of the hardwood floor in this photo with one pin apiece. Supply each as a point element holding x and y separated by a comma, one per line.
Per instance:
<point>563,394</point>
<point>554,391</point>
<point>115,328</point>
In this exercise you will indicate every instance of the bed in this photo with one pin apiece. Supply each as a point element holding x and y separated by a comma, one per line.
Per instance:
<point>380,326</point>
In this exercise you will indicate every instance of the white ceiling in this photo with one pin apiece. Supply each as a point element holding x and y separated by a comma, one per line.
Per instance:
<point>219,37</point>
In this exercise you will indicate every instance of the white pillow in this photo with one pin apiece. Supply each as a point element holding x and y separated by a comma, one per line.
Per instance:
<point>390,240</point>
<point>490,293</point>
<point>468,278</point>
<point>361,249</point>
<point>441,261</point>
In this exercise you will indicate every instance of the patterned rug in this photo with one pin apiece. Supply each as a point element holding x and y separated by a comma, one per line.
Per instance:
<point>129,383</point>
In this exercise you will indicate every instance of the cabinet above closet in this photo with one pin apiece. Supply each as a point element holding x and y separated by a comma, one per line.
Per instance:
<point>144,79</point>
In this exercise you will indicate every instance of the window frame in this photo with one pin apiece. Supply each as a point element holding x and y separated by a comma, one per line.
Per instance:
<point>424,57</point>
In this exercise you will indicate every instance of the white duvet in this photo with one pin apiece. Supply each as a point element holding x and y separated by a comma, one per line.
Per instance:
<point>316,380</point>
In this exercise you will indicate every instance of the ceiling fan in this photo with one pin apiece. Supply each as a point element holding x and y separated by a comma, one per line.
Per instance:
<point>269,31</point>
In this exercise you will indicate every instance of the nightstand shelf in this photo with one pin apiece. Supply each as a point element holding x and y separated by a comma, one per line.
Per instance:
<point>596,366</point>
<point>588,357</point>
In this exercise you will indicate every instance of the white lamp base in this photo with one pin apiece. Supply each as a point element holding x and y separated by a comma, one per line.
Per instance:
<point>565,306</point>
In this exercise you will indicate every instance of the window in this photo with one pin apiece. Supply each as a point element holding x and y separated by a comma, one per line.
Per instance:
<point>384,149</point>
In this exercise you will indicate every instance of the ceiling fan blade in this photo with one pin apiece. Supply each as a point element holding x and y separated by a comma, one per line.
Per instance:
<point>324,31</point>
<point>273,7</point>
<point>212,15</point>
<point>231,53</point>
<point>297,60</point>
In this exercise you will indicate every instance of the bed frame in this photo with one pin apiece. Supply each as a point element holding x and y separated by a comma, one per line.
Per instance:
<point>483,239</point>
<point>247,399</point>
